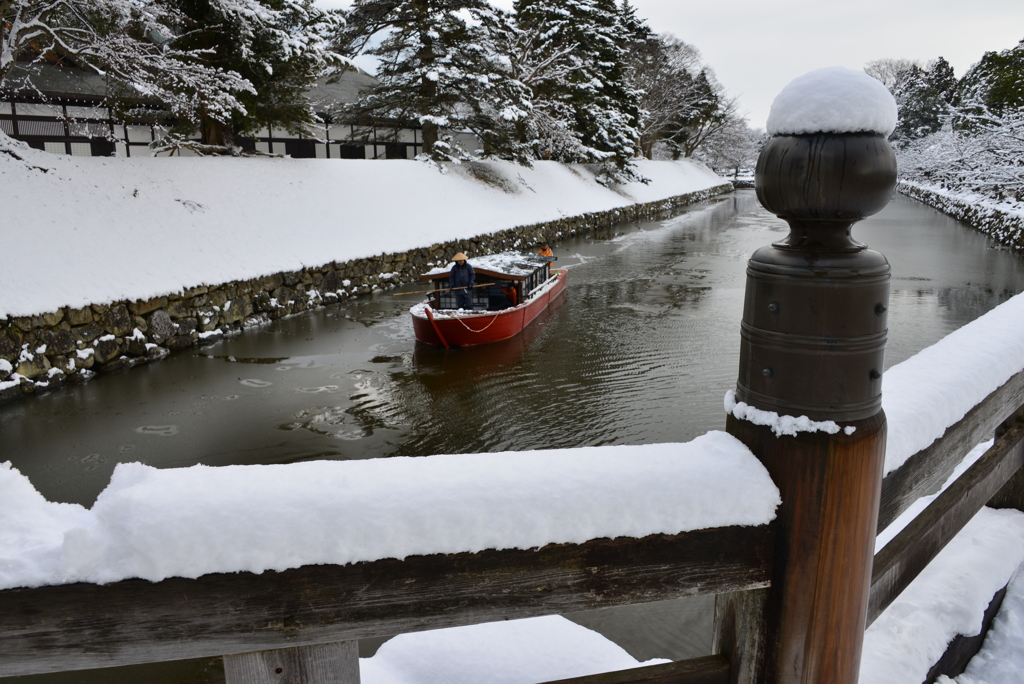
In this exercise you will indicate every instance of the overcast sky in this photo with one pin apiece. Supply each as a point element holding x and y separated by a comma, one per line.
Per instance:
<point>756,48</point>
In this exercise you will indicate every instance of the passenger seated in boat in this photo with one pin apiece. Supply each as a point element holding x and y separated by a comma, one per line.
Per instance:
<point>501,299</point>
<point>511,293</point>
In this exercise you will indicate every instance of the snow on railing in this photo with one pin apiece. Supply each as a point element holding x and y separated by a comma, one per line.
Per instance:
<point>935,388</point>
<point>186,522</point>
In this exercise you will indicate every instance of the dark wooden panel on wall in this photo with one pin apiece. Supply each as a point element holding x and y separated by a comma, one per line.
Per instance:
<point>84,626</point>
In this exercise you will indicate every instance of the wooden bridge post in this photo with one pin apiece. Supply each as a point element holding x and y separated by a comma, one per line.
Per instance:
<point>334,663</point>
<point>813,341</point>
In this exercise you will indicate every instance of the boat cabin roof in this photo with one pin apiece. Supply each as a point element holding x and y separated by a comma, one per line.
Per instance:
<point>501,266</point>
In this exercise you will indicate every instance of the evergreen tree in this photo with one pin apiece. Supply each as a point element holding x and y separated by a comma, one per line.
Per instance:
<point>278,46</point>
<point>921,104</point>
<point>923,95</point>
<point>996,82</point>
<point>589,38</point>
<point>940,76</point>
<point>138,46</point>
<point>439,69</point>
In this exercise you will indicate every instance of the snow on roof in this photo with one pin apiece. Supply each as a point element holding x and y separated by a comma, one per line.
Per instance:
<point>833,100</point>
<point>514,264</point>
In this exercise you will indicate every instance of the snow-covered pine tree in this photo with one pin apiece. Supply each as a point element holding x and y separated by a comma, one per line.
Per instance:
<point>996,81</point>
<point>134,43</point>
<point>582,43</point>
<point>279,46</point>
<point>440,70</point>
<point>981,148</point>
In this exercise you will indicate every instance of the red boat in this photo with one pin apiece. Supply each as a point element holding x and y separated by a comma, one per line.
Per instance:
<point>437,321</point>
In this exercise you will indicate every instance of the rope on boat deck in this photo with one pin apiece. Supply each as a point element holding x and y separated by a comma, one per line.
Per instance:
<point>493,318</point>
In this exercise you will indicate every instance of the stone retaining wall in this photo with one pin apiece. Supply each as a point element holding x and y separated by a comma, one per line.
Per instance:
<point>45,351</point>
<point>1006,229</point>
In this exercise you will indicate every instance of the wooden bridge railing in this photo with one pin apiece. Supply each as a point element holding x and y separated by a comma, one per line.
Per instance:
<point>316,612</point>
<point>793,597</point>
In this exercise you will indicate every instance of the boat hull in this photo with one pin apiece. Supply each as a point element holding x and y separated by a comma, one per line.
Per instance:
<point>486,326</point>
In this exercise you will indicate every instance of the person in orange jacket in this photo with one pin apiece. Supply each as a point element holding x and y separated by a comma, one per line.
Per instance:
<point>510,292</point>
<point>545,250</point>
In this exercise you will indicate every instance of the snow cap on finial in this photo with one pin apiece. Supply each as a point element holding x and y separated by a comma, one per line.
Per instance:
<point>833,100</point>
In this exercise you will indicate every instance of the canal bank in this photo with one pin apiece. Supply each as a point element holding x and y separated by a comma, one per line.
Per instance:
<point>159,256</point>
<point>999,221</point>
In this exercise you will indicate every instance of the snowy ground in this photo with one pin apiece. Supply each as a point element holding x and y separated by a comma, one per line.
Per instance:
<point>91,230</point>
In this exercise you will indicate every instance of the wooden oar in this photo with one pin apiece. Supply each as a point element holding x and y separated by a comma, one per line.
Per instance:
<point>444,289</point>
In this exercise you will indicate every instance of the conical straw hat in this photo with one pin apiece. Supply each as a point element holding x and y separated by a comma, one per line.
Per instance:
<point>459,257</point>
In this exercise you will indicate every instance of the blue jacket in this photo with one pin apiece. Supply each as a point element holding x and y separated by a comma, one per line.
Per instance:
<point>461,276</point>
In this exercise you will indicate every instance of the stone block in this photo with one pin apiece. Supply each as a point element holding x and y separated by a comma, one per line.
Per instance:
<point>106,349</point>
<point>208,320</point>
<point>10,344</point>
<point>179,342</point>
<point>218,297</point>
<point>87,333</point>
<point>85,358</point>
<point>59,342</point>
<point>161,326</point>
<point>136,346</point>
<point>210,339</point>
<point>331,282</point>
<point>187,326</point>
<point>34,367</point>
<point>142,307</point>
<point>283,295</point>
<point>81,316</point>
<point>236,310</point>
<point>120,363</point>
<point>53,319</point>
<point>195,291</point>
<point>271,282</point>
<point>28,323</point>
<point>177,309</point>
<point>116,320</point>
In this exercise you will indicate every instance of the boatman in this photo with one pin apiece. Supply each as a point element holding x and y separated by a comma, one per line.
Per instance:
<point>545,250</point>
<point>462,276</point>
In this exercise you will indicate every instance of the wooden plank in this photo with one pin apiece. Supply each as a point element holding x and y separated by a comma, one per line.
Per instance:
<point>1012,493</point>
<point>739,634</point>
<point>925,471</point>
<point>903,558</point>
<point>336,663</point>
<point>962,648</point>
<point>706,670</point>
<point>82,626</point>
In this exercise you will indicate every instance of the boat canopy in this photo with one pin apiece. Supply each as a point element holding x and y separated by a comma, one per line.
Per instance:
<point>501,266</point>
